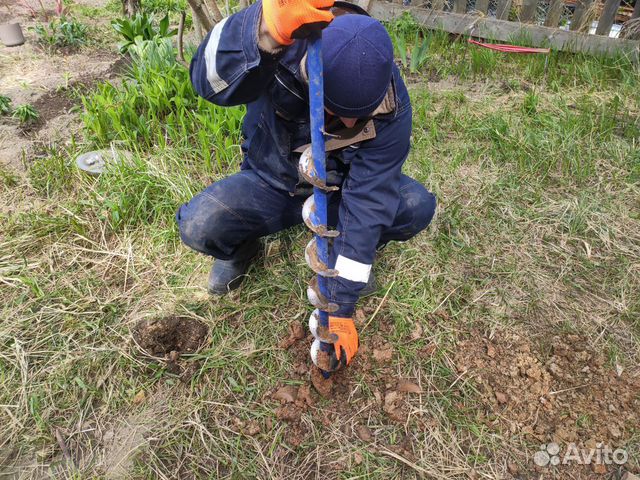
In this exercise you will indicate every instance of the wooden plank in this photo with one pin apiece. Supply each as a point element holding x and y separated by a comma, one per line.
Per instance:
<point>481,6</point>
<point>579,15</point>
<point>529,8</point>
<point>502,12</point>
<point>608,17</point>
<point>460,6</point>
<point>486,27</point>
<point>554,13</point>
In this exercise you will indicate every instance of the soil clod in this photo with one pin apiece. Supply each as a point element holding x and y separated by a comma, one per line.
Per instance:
<point>364,434</point>
<point>296,332</point>
<point>324,386</point>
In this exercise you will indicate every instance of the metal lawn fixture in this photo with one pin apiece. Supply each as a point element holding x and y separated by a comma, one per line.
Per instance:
<point>312,167</point>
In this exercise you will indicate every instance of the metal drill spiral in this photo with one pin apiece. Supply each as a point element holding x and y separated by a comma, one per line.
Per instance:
<point>312,168</point>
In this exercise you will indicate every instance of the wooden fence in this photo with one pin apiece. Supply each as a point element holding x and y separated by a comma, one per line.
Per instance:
<point>473,20</point>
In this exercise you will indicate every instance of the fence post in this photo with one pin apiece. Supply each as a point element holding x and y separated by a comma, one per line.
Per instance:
<point>529,8</point>
<point>608,16</point>
<point>459,6</point>
<point>481,6</point>
<point>582,8</point>
<point>554,13</point>
<point>636,10</point>
<point>504,6</point>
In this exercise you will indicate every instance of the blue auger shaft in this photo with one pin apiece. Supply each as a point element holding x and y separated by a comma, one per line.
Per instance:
<point>316,108</point>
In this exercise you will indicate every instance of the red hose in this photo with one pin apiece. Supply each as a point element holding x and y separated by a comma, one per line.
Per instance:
<point>509,48</point>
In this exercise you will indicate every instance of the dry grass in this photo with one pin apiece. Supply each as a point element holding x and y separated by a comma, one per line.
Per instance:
<point>631,29</point>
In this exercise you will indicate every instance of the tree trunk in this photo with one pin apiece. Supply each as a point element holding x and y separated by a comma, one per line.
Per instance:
<point>198,28</point>
<point>214,10</point>
<point>199,12</point>
<point>130,7</point>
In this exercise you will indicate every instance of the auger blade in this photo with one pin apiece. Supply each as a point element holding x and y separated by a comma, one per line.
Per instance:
<point>318,332</point>
<point>317,299</point>
<point>314,262</point>
<point>312,222</point>
<point>308,172</point>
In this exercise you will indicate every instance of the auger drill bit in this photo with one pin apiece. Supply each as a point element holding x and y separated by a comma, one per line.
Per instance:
<point>312,167</point>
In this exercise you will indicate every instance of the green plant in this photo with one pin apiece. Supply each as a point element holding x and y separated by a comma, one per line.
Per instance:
<point>141,26</point>
<point>25,114</point>
<point>400,44</point>
<point>61,33</point>
<point>530,104</point>
<point>164,6</point>
<point>482,60</point>
<point>152,54</point>
<point>8,178</point>
<point>157,108</point>
<point>5,105</point>
<point>411,43</point>
<point>419,53</point>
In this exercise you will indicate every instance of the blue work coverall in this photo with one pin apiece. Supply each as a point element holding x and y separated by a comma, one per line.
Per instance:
<point>376,203</point>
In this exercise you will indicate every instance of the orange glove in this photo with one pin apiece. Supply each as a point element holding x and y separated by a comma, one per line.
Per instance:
<point>289,19</point>
<point>345,330</point>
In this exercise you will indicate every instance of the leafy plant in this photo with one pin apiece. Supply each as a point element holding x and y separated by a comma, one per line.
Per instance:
<point>141,26</point>
<point>157,108</point>
<point>5,105</point>
<point>26,114</point>
<point>152,54</point>
<point>62,33</point>
<point>400,44</point>
<point>412,56</point>
<point>419,53</point>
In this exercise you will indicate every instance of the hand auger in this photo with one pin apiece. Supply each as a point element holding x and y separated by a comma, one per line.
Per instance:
<point>312,168</point>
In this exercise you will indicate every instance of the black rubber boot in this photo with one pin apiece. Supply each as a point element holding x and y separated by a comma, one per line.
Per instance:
<point>227,275</point>
<point>370,287</point>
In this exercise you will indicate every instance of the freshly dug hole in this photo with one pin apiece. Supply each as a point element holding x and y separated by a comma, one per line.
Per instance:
<point>161,336</point>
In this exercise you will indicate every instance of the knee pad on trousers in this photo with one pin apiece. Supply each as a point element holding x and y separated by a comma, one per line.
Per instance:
<point>422,204</point>
<point>201,230</point>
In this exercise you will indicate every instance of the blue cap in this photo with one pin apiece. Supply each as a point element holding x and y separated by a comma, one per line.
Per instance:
<point>357,57</point>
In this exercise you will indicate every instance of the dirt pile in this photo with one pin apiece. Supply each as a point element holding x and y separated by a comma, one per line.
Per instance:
<point>564,392</point>
<point>340,400</point>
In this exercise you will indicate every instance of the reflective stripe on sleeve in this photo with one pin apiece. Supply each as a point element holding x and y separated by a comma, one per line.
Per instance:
<point>210,52</point>
<point>352,270</point>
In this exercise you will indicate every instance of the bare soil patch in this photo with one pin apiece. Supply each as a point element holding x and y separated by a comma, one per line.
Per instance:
<point>170,336</point>
<point>343,400</point>
<point>563,392</point>
<point>48,81</point>
<point>55,103</point>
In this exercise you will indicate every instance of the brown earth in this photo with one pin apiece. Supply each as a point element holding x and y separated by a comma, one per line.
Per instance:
<point>532,395</point>
<point>170,336</point>
<point>48,81</point>
<point>563,392</point>
<point>390,394</point>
